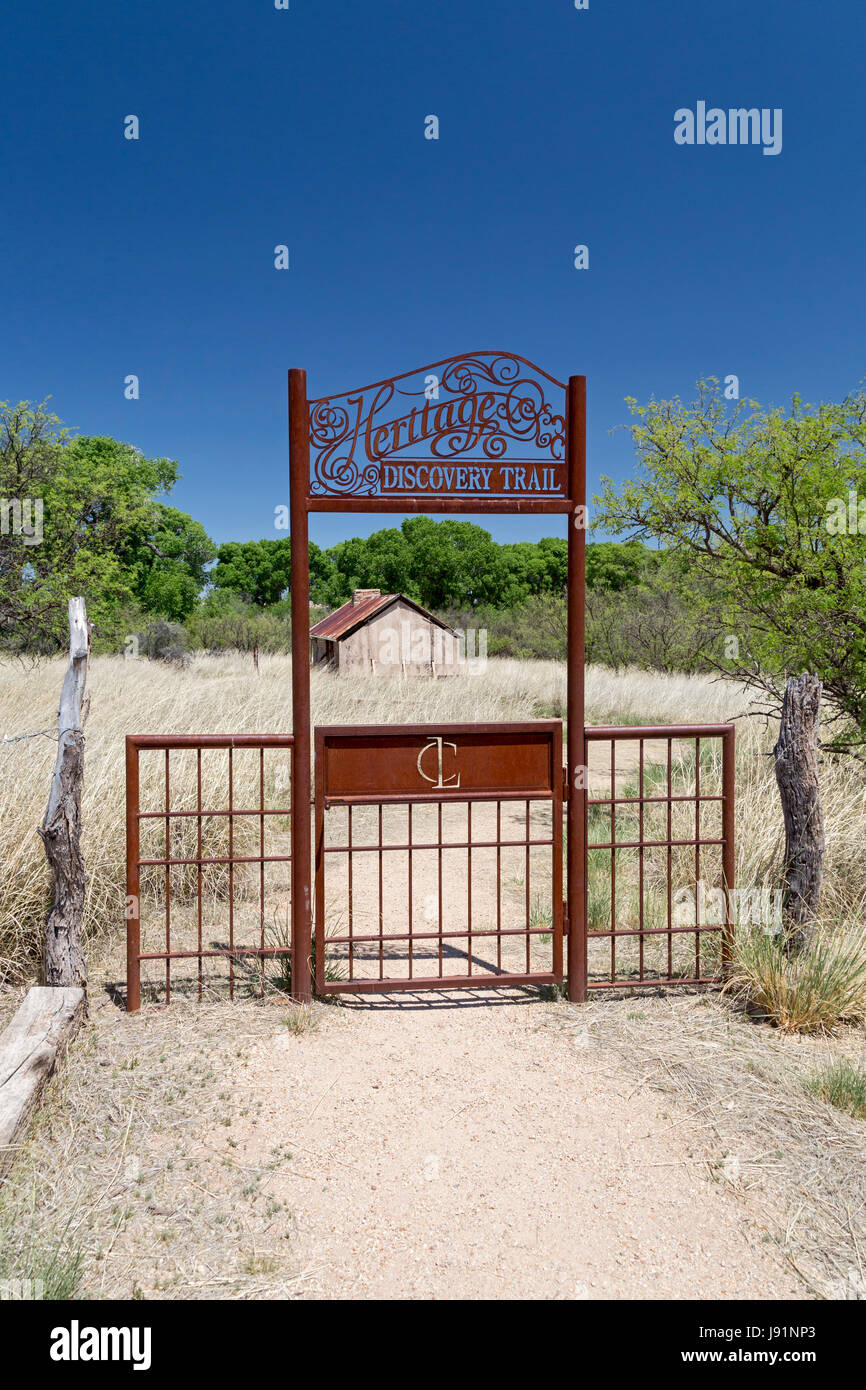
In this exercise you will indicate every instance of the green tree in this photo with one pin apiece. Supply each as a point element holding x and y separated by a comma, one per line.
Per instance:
<point>260,572</point>
<point>103,532</point>
<point>454,562</point>
<point>613,567</point>
<point>760,502</point>
<point>169,560</point>
<point>440,564</point>
<point>381,561</point>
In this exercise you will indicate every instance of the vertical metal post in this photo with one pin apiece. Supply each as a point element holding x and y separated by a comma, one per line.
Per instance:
<point>299,488</point>
<point>320,860</point>
<point>575,446</point>
<point>729,868</point>
<point>133,884</point>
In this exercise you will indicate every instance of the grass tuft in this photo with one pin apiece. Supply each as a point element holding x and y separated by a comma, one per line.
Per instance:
<point>814,992</point>
<point>842,1083</point>
<point>301,1019</point>
<point>47,1266</point>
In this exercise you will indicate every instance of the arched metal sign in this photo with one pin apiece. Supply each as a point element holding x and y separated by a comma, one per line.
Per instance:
<point>485,432</point>
<point>487,426</point>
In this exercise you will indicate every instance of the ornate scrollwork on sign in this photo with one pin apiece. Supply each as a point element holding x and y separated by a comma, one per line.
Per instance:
<point>479,425</point>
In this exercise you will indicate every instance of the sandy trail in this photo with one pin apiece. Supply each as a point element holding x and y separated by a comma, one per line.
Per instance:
<point>477,1145</point>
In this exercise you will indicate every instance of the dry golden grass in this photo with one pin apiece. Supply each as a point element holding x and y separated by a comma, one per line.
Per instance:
<point>131,1183</point>
<point>747,1097</point>
<point>223,694</point>
<point>121,1140</point>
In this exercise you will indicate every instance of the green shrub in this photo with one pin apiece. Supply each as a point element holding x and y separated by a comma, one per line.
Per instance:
<point>164,641</point>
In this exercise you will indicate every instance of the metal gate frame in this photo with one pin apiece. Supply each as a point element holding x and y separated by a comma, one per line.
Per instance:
<point>339,483</point>
<point>724,843</point>
<point>166,743</point>
<point>330,741</point>
<point>521,409</point>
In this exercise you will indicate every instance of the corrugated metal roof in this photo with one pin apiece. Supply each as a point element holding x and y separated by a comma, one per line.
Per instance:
<point>352,615</point>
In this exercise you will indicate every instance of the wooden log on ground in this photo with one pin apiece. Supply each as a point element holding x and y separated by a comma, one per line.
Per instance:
<point>30,1048</point>
<point>61,828</point>
<point>796,754</point>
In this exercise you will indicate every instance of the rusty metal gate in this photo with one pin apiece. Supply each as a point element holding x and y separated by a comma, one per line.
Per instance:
<point>441,851</point>
<point>438,856</point>
<point>659,855</point>
<point>438,859</point>
<point>486,432</point>
<point>208,859</point>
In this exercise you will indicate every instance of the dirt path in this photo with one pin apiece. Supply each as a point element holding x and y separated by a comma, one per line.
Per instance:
<point>474,1146</point>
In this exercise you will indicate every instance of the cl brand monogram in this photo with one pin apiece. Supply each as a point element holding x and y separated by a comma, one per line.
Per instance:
<point>439,781</point>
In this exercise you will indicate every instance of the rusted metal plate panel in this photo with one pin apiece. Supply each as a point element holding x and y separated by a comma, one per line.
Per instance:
<point>440,762</point>
<point>483,426</point>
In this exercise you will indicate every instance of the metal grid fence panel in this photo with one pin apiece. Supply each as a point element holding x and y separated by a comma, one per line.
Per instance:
<point>659,862</point>
<point>208,818</point>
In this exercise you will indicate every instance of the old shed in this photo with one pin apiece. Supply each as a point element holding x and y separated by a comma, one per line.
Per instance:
<point>388,634</point>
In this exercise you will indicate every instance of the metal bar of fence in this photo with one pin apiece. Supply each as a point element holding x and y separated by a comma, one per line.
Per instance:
<point>440,982</point>
<point>218,951</point>
<point>204,812</point>
<point>601,733</point>
<point>640,890</point>
<point>693,766</point>
<point>167,882</point>
<point>654,981</point>
<point>210,741</point>
<point>653,931</point>
<point>405,845</point>
<point>133,883</point>
<point>646,800</point>
<point>199,874</point>
<point>446,935</point>
<point>728,852</point>
<point>219,859</point>
<point>169,861</point>
<point>653,844</point>
<point>408,934</point>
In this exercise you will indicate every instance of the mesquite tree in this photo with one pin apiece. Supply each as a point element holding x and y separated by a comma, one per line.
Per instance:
<point>768,510</point>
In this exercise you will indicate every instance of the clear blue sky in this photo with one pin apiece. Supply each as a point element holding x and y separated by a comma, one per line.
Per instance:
<point>305,127</point>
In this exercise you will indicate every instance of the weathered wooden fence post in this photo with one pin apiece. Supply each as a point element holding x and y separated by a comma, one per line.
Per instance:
<point>796,754</point>
<point>61,828</point>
